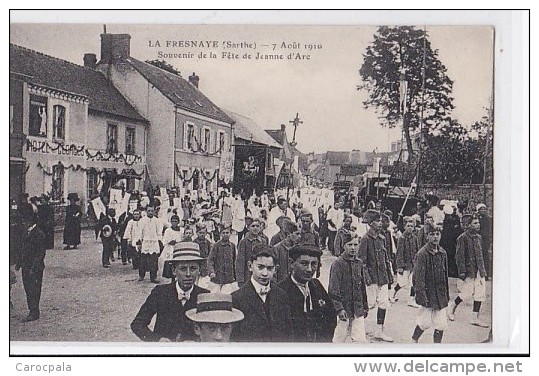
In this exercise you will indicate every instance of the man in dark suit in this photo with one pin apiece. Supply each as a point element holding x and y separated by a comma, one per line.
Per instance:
<point>313,314</point>
<point>170,302</point>
<point>32,261</point>
<point>108,238</point>
<point>264,304</point>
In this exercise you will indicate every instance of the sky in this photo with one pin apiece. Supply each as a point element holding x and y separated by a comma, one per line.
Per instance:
<point>322,89</point>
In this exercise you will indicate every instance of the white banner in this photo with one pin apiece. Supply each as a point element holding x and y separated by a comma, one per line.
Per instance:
<point>99,207</point>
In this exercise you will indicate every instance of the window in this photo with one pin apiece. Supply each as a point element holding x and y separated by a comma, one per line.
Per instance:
<point>91,183</point>
<point>207,140</point>
<point>129,140</point>
<point>269,159</point>
<point>57,192</point>
<point>112,139</point>
<point>58,122</point>
<point>38,116</point>
<point>190,136</point>
<point>221,142</point>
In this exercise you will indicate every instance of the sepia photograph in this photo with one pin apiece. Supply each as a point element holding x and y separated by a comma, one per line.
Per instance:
<point>250,183</point>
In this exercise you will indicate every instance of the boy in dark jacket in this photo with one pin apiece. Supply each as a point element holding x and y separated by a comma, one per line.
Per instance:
<point>348,290</point>
<point>373,253</point>
<point>312,310</point>
<point>431,285</point>
<point>407,247</point>
<point>221,266</point>
<point>471,269</point>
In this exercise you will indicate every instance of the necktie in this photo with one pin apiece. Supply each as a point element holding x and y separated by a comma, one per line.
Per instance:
<point>264,290</point>
<point>184,297</point>
<point>307,304</point>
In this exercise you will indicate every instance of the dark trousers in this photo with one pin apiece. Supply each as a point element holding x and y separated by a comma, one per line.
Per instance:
<point>32,281</point>
<point>108,251</point>
<point>148,263</point>
<point>331,241</point>
<point>125,251</point>
<point>323,239</point>
<point>135,257</point>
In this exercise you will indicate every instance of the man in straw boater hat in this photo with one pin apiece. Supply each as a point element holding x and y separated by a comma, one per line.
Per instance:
<point>170,302</point>
<point>214,317</point>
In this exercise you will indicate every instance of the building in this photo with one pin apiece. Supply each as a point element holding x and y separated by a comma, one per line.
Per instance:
<point>17,137</point>
<point>82,135</point>
<point>251,142</point>
<point>188,134</point>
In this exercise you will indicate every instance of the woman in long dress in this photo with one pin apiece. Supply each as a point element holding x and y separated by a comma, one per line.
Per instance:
<point>72,223</point>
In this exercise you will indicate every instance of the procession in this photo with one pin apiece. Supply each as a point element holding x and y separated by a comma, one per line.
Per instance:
<point>141,211</point>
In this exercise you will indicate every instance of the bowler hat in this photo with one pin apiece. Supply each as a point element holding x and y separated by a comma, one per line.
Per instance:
<point>214,308</point>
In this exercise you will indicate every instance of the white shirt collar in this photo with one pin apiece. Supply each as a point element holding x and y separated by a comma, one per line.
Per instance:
<point>258,287</point>
<point>180,291</point>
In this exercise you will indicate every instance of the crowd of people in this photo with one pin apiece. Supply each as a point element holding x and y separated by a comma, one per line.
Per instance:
<point>230,267</point>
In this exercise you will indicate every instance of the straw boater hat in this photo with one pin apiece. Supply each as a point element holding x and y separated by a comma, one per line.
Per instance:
<point>186,251</point>
<point>215,308</point>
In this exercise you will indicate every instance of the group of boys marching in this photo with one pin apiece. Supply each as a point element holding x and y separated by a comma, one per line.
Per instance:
<point>274,282</point>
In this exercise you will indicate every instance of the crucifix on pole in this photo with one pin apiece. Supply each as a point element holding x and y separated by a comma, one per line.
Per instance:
<point>295,122</point>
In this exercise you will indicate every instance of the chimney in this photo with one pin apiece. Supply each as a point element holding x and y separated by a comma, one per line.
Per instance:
<point>114,47</point>
<point>283,128</point>
<point>90,61</point>
<point>193,79</point>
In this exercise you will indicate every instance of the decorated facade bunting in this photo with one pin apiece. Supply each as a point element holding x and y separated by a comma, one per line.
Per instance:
<point>196,146</point>
<point>200,172</point>
<point>78,167</point>
<point>37,145</point>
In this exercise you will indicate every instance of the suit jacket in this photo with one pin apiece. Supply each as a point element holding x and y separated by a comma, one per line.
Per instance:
<point>317,325</point>
<point>171,321</point>
<point>32,253</point>
<point>106,220</point>
<point>264,322</point>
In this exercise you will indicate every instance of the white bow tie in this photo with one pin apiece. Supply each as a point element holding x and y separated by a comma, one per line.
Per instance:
<point>184,296</point>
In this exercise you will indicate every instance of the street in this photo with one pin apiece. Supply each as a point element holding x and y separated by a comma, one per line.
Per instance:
<point>83,302</point>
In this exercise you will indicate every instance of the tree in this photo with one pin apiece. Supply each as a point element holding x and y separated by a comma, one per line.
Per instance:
<point>396,51</point>
<point>164,65</point>
<point>458,155</point>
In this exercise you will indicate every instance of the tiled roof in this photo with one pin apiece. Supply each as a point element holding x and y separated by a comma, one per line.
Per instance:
<point>277,134</point>
<point>62,75</point>
<point>244,128</point>
<point>338,157</point>
<point>383,155</point>
<point>179,91</point>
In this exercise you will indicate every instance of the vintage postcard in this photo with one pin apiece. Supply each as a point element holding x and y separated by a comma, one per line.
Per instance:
<point>328,186</point>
